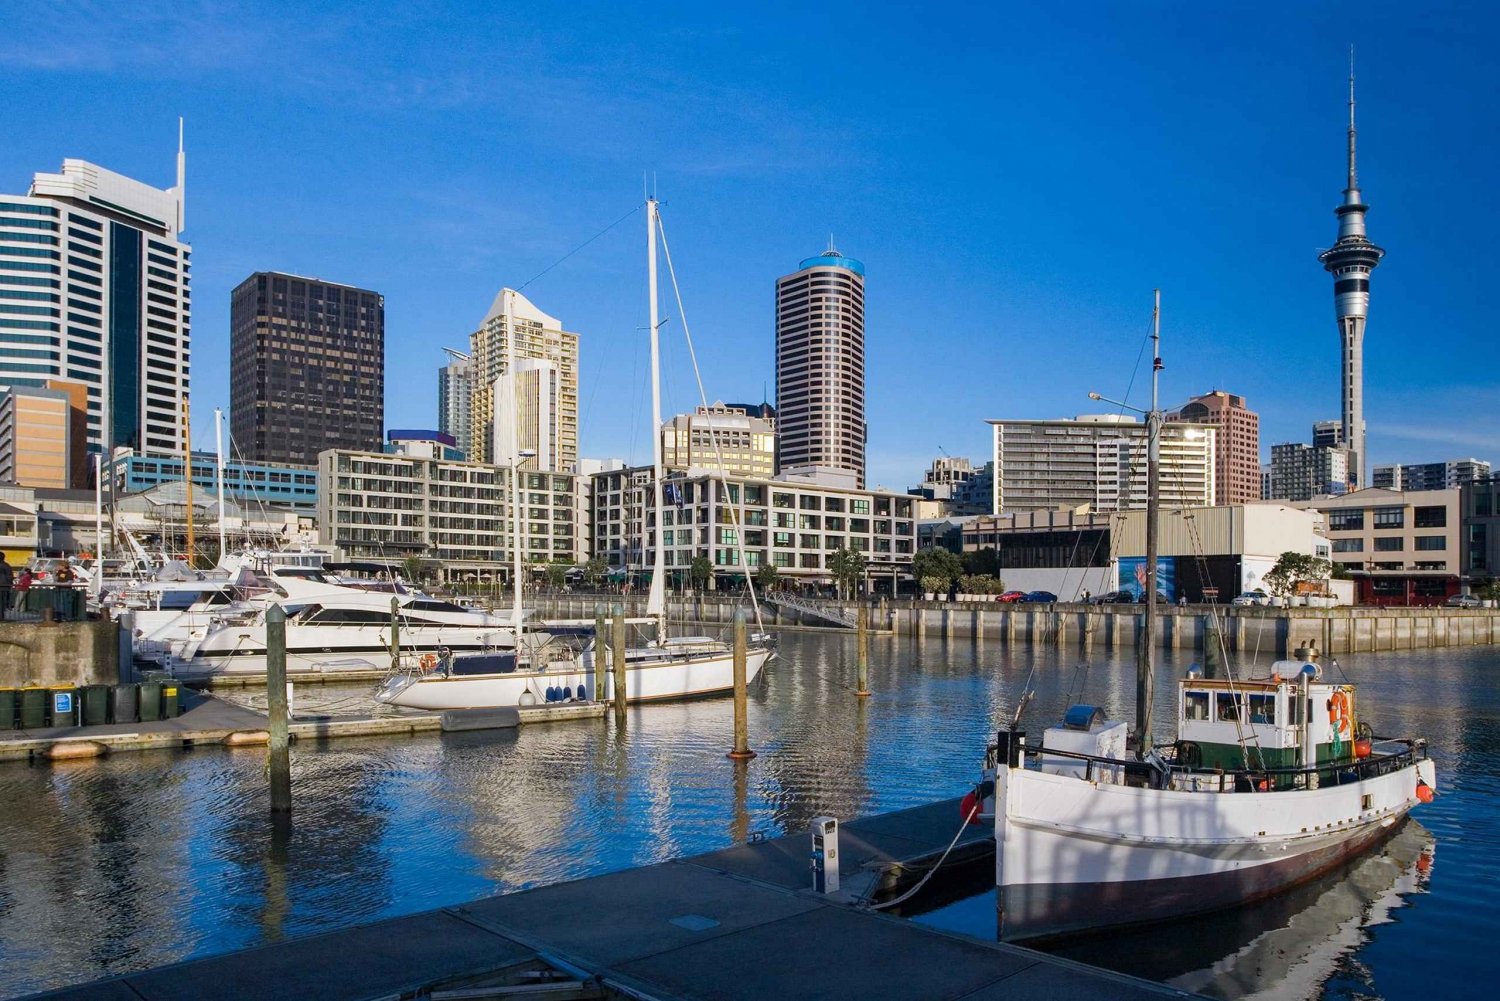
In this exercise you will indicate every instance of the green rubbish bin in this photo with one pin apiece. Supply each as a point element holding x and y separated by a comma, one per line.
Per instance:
<point>171,700</point>
<point>150,701</point>
<point>93,701</point>
<point>124,704</point>
<point>33,708</point>
<point>10,708</point>
<point>62,704</point>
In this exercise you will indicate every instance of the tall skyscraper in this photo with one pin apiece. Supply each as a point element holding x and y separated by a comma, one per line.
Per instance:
<point>455,398</point>
<point>94,289</point>
<point>1350,260</point>
<point>820,368</point>
<point>1236,443</point>
<point>524,371</point>
<point>307,368</point>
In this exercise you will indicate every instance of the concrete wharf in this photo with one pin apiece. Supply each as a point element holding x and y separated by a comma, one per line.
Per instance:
<point>742,923</point>
<point>216,721</point>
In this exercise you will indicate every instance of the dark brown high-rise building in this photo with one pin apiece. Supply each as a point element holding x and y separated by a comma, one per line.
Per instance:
<point>307,368</point>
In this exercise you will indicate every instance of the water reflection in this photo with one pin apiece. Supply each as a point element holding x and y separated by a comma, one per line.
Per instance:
<point>142,859</point>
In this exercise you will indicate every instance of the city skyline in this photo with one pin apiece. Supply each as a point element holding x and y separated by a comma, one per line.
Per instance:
<point>1215,194</point>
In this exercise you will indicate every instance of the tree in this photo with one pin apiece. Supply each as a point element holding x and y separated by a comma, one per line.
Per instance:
<point>936,568</point>
<point>1292,569</point>
<point>847,568</point>
<point>700,572</point>
<point>411,568</point>
<point>766,576</point>
<point>982,563</point>
<point>557,573</point>
<point>595,569</point>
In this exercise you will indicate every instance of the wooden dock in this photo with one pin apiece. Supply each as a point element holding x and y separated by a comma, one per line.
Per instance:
<point>741,923</point>
<point>216,721</point>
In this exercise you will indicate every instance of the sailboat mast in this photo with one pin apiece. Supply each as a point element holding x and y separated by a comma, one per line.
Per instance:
<point>187,476</point>
<point>1146,655</point>
<point>219,448</point>
<point>656,604</point>
<point>513,445</point>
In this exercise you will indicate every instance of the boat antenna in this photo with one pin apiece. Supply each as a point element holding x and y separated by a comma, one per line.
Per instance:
<point>1146,654</point>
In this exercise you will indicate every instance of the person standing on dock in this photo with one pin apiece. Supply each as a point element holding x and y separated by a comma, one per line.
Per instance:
<point>7,581</point>
<point>23,587</point>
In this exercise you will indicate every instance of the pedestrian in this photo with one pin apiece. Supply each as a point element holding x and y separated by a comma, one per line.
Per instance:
<point>1182,600</point>
<point>7,581</point>
<point>23,588</point>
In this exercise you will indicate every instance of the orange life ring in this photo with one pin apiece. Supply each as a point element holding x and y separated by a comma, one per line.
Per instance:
<point>429,661</point>
<point>1338,712</point>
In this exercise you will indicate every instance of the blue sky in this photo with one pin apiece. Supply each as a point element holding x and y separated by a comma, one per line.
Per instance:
<point>1017,179</point>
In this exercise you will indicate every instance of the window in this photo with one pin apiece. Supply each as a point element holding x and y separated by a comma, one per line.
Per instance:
<point>1195,706</point>
<point>1392,545</point>
<point>1431,543</point>
<point>1346,520</point>
<point>1228,707</point>
<point>1390,517</point>
<point>1435,516</point>
<point>1348,545</point>
<point>1263,709</point>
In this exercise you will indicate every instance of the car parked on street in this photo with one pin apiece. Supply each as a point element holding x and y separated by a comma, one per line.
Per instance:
<point>1112,598</point>
<point>1463,601</point>
<point>1009,596</point>
<point>1256,597</point>
<point>1037,598</point>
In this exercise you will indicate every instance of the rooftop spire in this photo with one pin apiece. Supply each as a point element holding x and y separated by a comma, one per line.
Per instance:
<point>1353,174</point>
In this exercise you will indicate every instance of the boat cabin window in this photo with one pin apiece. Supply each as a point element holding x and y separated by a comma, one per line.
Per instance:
<point>1228,707</point>
<point>429,605</point>
<point>1195,705</point>
<point>341,616</point>
<point>1263,709</point>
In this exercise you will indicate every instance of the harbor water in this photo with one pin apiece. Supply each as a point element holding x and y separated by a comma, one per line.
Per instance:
<point>133,861</point>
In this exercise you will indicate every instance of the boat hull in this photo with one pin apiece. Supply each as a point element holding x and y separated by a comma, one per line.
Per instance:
<point>1076,857</point>
<point>682,678</point>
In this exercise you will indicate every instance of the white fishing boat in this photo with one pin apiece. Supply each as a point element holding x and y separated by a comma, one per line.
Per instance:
<point>549,670</point>
<point>1269,782</point>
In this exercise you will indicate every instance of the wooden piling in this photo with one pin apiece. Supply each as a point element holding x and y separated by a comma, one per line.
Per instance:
<point>862,640</point>
<point>600,637</point>
<point>741,750</point>
<point>395,634</point>
<point>618,634</point>
<point>280,760</point>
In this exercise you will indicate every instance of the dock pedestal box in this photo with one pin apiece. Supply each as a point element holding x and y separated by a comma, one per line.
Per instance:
<point>825,854</point>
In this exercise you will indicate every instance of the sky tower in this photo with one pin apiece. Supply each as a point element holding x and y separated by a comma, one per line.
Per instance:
<point>1350,260</point>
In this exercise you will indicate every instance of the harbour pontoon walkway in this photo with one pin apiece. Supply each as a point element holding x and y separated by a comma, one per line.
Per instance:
<point>736,924</point>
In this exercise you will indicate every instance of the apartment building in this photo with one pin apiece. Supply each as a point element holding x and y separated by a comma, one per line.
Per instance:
<point>722,437</point>
<point>1403,547</point>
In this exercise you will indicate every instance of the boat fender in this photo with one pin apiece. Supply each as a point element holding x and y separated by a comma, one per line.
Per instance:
<point>1424,792</point>
<point>567,694</point>
<point>429,661</point>
<point>583,695</point>
<point>551,694</point>
<point>527,698</point>
<point>1362,747</point>
<point>973,802</point>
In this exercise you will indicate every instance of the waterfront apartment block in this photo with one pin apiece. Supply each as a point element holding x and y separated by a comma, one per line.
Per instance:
<point>250,484</point>
<point>456,398</point>
<point>793,526</point>
<point>1429,475</point>
<point>523,386</point>
<point>43,431</point>
<point>1236,443</point>
<point>820,368</point>
<point>1301,472</point>
<point>1098,462</point>
<point>1403,547</point>
<point>94,288</point>
<point>1479,506</point>
<point>744,441</point>
<point>307,367</point>
<point>375,505</point>
<point>958,487</point>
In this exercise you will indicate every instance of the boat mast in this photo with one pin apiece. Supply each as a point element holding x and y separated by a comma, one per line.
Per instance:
<point>219,448</point>
<point>656,603</point>
<point>513,445</point>
<point>187,476</point>
<point>98,524</point>
<point>1146,653</point>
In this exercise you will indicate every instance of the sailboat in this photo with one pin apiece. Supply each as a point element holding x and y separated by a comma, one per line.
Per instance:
<point>1270,782</point>
<point>663,668</point>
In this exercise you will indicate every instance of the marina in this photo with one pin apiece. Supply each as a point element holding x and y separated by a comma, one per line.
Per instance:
<point>165,856</point>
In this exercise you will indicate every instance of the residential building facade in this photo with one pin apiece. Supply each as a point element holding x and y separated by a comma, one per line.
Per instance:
<point>375,505</point>
<point>820,368</point>
<point>533,405</point>
<point>1236,443</point>
<point>960,488</point>
<point>721,437</point>
<point>42,436</point>
<point>94,288</point>
<point>1300,472</point>
<point>1479,507</point>
<point>307,368</point>
<point>456,398</point>
<point>792,526</point>
<point>1429,475</point>
<point>1402,547</point>
<point>1098,462</point>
